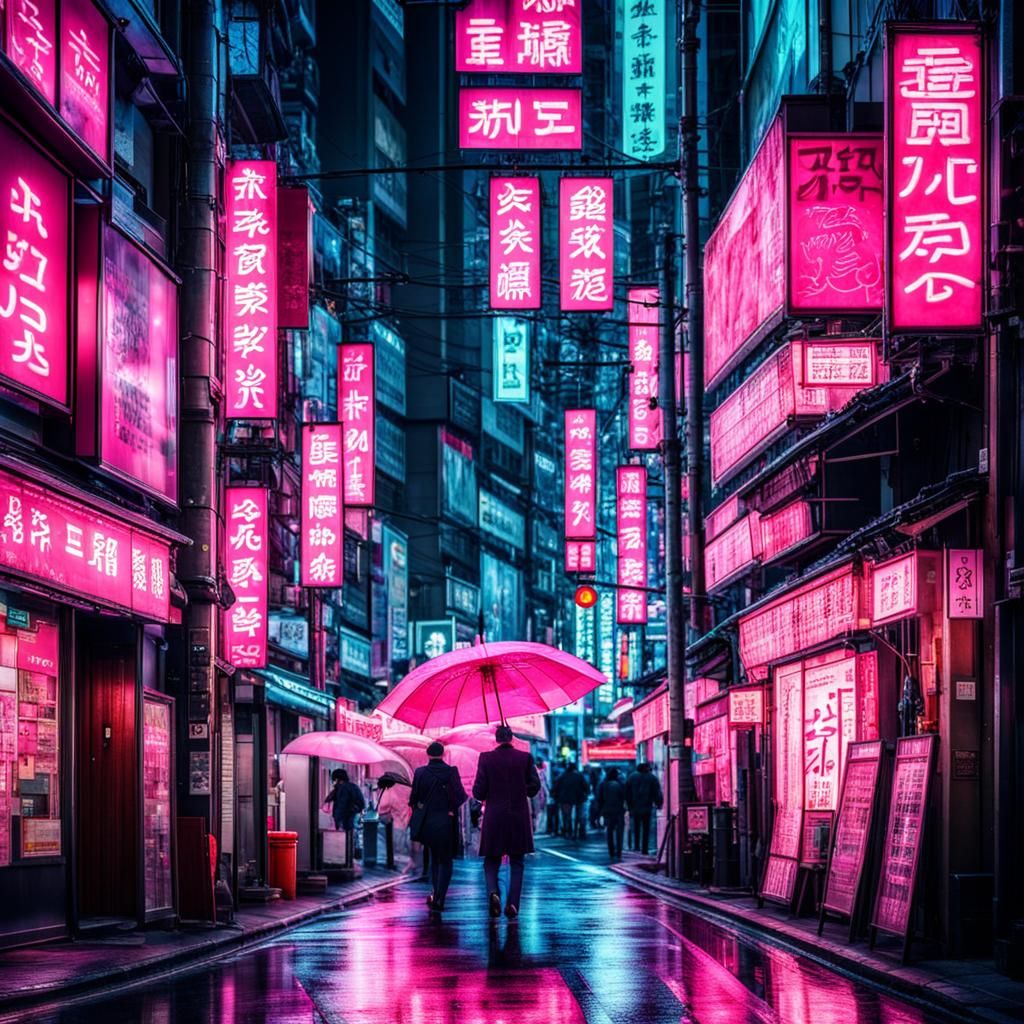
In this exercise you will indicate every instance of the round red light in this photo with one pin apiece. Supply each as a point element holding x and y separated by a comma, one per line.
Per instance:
<point>586,597</point>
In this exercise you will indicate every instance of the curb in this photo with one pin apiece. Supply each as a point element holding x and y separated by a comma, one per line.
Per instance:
<point>220,943</point>
<point>828,955</point>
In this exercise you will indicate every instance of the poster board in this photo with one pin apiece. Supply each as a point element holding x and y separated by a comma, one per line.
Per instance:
<point>904,833</point>
<point>814,843</point>
<point>858,802</point>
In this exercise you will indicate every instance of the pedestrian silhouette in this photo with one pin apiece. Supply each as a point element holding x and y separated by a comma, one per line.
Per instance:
<point>611,804</point>
<point>506,780</point>
<point>572,793</point>
<point>436,796</point>
<point>643,794</point>
<point>346,800</point>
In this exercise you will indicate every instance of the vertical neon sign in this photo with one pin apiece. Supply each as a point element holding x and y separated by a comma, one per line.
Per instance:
<point>85,74</point>
<point>31,42</point>
<point>580,483</point>
<point>251,317</point>
<point>515,243</point>
<point>935,181</point>
<point>357,409</point>
<point>586,243</point>
<point>245,622</point>
<point>631,528</point>
<point>965,588</point>
<point>511,359</point>
<point>643,79</point>
<point>644,325</point>
<point>323,524</point>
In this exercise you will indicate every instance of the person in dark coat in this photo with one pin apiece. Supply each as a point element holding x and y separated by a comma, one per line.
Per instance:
<point>506,780</point>
<point>611,805</point>
<point>437,788</point>
<point>572,795</point>
<point>643,794</point>
<point>346,800</point>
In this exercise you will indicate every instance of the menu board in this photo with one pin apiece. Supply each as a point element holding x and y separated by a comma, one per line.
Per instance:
<point>901,848</point>
<point>853,828</point>
<point>779,879</point>
<point>156,792</point>
<point>815,842</point>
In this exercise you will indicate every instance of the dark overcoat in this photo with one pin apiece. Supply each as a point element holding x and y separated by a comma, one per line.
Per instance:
<point>438,787</point>
<point>506,778</point>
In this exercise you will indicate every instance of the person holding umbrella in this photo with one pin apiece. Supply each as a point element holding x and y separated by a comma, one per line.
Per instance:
<point>436,795</point>
<point>346,801</point>
<point>506,781</point>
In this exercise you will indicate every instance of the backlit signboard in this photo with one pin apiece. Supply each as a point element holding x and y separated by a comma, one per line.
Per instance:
<point>935,121</point>
<point>519,36</point>
<point>631,531</point>
<point>894,589</point>
<point>357,412</point>
<point>830,722</point>
<point>506,118</point>
<point>581,556</point>
<point>834,219</point>
<point>323,517</point>
<point>644,36</point>
<point>511,359</point>
<point>785,529</point>
<point>839,363</point>
<point>84,72</point>
<point>251,290</point>
<point>965,585</point>
<point>746,706</point>
<point>586,242</point>
<point>246,553</point>
<point>580,474</point>
<point>515,243</point>
<point>294,257</point>
<point>31,42</point>
<point>732,551</point>
<point>644,330</point>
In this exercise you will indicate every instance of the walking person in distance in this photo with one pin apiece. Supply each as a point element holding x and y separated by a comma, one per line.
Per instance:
<point>346,801</point>
<point>611,804</point>
<point>506,781</point>
<point>643,794</point>
<point>436,796</point>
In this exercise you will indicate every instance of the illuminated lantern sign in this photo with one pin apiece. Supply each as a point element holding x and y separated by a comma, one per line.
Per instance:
<point>63,542</point>
<point>631,523</point>
<point>644,327</point>
<point>515,242</point>
<point>35,201</point>
<point>835,238</point>
<point>643,78</point>
<point>323,528</point>
<point>965,587</point>
<point>935,126</point>
<point>586,243</point>
<point>85,73</point>
<point>251,290</point>
<point>503,118</point>
<point>580,556</point>
<point>580,481</point>
<point>516,36</point>
<point>511,359</point>
<point>31,42</point>
<point>245,622</point>
<point>357,408</point>
<point>744,261</point>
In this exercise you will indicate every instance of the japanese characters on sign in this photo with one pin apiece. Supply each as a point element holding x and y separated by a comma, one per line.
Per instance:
<point>830,722</point>
<point>246,552</point>
<point>581,556</point>
<point>496,117</point>
<point>965,590</point>
<point>32,42</point>
<point>580,487</point>
<point>644,327</point>
<point>515,243</point>
<point>586,236</point>
<point>357,409</point>
<point>894,589</point>
<point>511,359</point>
<point>783,530</point>
<point>732,551</point>
<point>251,290</point>
<point>35,201</point>
<point>323,519</point>
<point>61,541</point>
<point>853,364</point>
<point>835,224</point>
<point>519,36</point>
<point>746,706</point>
<point>631,532</point>
<point>85,73</point>
<point>935,125</point>
<point>643,78</point>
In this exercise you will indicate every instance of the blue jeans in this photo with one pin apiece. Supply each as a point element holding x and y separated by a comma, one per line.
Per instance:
<point>515,882</point>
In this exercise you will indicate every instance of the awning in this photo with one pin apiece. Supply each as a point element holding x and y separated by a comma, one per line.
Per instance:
<point>292,691</point>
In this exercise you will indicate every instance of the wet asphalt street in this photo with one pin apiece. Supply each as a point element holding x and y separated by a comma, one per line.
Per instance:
<point>587,948</point>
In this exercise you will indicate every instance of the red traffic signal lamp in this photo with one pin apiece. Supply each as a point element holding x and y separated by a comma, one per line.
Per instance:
<point>586,596</point>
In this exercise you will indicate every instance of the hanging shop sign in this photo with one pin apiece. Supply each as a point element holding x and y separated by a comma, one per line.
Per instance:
<point>935,121</point>
<point>965,585</point>
<point>396,579</point>
<point>294,257</point>
<point>581,556</point>
<point>744,261</point>
<point>644,330</point>
<point>323,516</point>
<point>355,654</point>
<point>35,201</point>
<point>746,706</point>
<point>511,359</point>
<point>834,223</point>
<point>586,239</point>
<point>651,717</point>
<point>519,36</point>
<point>289,632</point>
<point>712,750</point>
<point>251,290</point>
<point>839,363</point>
<point>462,598</point>
<point>644,32</point>
<point>580,474</point>
<point>785,530</point>
<point>721,517</point>
<point>631,560</point>
<point>357,408</point>
<point>433,638</point>
<point>126,412</point>
<point>31,33</point>
<point>515,243</point>
<point>355,724</point>
<point>732,551</point>
<point>894,589</point>
<point>246,533</point>
<point>504,118</point>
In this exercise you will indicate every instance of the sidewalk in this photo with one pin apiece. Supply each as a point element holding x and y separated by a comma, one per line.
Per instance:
<point>59,971</point>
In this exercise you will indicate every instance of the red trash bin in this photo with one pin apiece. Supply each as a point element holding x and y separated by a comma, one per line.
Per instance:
<point>283,851</point>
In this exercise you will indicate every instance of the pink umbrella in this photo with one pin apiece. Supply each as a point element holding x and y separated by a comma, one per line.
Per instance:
<point>489,683</point>
<point>349,749</point>
<point>479,738</point>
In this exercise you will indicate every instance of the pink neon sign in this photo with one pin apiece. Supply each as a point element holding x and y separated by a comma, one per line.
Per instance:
<point>631,527</point>
<point>719,518</point>
<point>245,622</point>
<point>323,519</point>
<point>251,290</point>
<point>965,584</point>
<point>357,407</point>
<point>936,181</point>
<point>894,589</point>
<point>830,703</point>
<point>31,42</point>
<point>61,541</point>
<point>842,363</point>
<point>580,474</point>
<point>744,260</point>
<point>39,649</point>
<point>644,326</point>
<point>586,237</point>
<point>294,257</point>
<point>537,36</point>
<point>503,118</point>
<point>732,551</point>
<point>580,556</point>
<point>35,201</point>
<point>85,74</point>
<point>835,225</point>
<point>784,530</point>
<point>515,243</point>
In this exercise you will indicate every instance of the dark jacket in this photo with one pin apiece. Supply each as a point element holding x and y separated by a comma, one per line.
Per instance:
<point>611,799</point>
<point>572,788</point>
<point>506,778</point>
<point>643,792</point>
<point>346,800</point>
<point>439,788</point>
